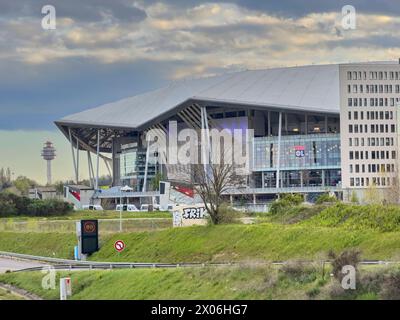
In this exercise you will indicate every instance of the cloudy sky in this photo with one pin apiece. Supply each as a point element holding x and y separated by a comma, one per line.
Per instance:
<point>105,50</point>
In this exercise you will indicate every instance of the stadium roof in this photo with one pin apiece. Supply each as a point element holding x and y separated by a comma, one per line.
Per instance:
<point>308,88</point>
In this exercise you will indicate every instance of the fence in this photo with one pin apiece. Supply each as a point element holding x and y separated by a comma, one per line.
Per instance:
<point>68,226</point>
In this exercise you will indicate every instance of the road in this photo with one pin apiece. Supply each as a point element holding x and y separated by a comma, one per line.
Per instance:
<point>14,264</point>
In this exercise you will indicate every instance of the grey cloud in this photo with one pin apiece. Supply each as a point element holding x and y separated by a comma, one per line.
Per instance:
<point>381,41</point>
<point>79,10</point>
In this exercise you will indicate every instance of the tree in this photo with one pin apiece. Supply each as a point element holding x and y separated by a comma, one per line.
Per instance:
<point>212,183</point>
<point>354,198</point>
<point>5,178</point>
<point>372,195</point>
<point>155,182</point>
<point>23,184</point>
<point>391,194</point>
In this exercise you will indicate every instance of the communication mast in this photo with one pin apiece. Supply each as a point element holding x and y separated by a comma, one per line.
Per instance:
<point>48,154</point>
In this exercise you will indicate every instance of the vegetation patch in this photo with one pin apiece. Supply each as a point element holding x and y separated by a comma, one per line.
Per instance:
<point>13,205</point>
<point>252,282</point>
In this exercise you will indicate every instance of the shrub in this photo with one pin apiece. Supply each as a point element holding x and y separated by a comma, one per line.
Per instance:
<point>12,205</point>
<point>227,214</point>
<point>7,208</point>
<point>347,257</point>
<point>325,197</point>
<point>298,271</point>
<point>391,287</point>
<point>286,201</point>
<point>354,198</point>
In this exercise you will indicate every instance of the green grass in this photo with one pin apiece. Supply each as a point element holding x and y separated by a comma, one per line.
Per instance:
<point>226,243</point>
<point>193,283</point>
<point>263,242</point>
<point>382,218</point>
<point>43,244</point>
<point>358,217</point>
<point>88,214</point>
<point>6,295</point>
<point>244,282</point>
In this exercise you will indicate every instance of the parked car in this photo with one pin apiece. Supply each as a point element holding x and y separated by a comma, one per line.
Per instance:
<point>126,207</point>
<point>94,207</point>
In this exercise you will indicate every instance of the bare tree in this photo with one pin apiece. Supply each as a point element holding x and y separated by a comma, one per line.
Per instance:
<point>392,193</point>
<point>211,184</point>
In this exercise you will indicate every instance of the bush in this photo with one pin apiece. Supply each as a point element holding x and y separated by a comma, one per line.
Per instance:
<point>324,198</point>
<point>299,272</point>
<point>7,208</point>
<point>286,201</point>
<point>227,214</point>
<point>13,205</point>
<point>391,287</point>
<point>348,257</point>
<point>358,217</point>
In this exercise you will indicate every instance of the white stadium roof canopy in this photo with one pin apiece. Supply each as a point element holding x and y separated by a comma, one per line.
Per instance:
<point>312,88</point>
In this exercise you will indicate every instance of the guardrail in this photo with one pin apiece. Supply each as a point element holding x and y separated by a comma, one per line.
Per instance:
<point>73,264</point>
<point>66,264</point>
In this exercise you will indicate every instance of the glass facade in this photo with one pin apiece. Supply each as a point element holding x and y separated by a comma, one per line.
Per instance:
<point>300,152</point>
<point>132,166</point>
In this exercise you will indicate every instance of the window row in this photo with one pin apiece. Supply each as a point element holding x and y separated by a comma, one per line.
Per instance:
<point>372,102</point>
<point>361,155</point>
<point>371,168</point>
<point>371,142</point>
<point>374,181</point>
<point>373,88</point>
<point>371,115</point>
<point>375,128</point>
<point>373,75</point>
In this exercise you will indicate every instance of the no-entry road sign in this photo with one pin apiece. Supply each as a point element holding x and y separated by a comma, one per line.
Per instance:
<point>119,245</point>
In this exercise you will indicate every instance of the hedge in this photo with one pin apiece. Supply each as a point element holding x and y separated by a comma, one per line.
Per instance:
<point>13,205</point>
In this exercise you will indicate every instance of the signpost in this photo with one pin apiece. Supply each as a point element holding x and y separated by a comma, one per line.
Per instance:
<point>65,288</point>
<point>119,245</point>
<point>89,236</point>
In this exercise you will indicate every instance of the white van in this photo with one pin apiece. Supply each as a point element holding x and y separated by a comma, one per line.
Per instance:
<point>144,207</point>
<point>94,207</point>
<point>126,207</point>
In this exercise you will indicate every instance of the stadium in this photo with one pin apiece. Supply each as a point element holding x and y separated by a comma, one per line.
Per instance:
<point>300,116</point>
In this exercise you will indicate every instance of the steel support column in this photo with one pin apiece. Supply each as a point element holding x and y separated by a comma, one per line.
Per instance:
<point>146,166</point>
<point>73,152</point>
<point>97,159</point>
<point>278,164</point>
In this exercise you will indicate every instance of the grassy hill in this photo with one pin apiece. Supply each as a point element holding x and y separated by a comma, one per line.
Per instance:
<point>263,242</point>
<point>298,233</point>
<point>246,282</point>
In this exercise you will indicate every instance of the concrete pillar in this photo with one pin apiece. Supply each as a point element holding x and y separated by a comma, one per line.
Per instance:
<point>231,199</point>
<point>262,179</point>
<point>323,178</point>
<point>301,179</point>
<point>254,199</point>
<point>306,123</point>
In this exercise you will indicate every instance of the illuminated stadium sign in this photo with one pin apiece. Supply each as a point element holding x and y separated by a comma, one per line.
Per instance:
<point>299,151</point>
